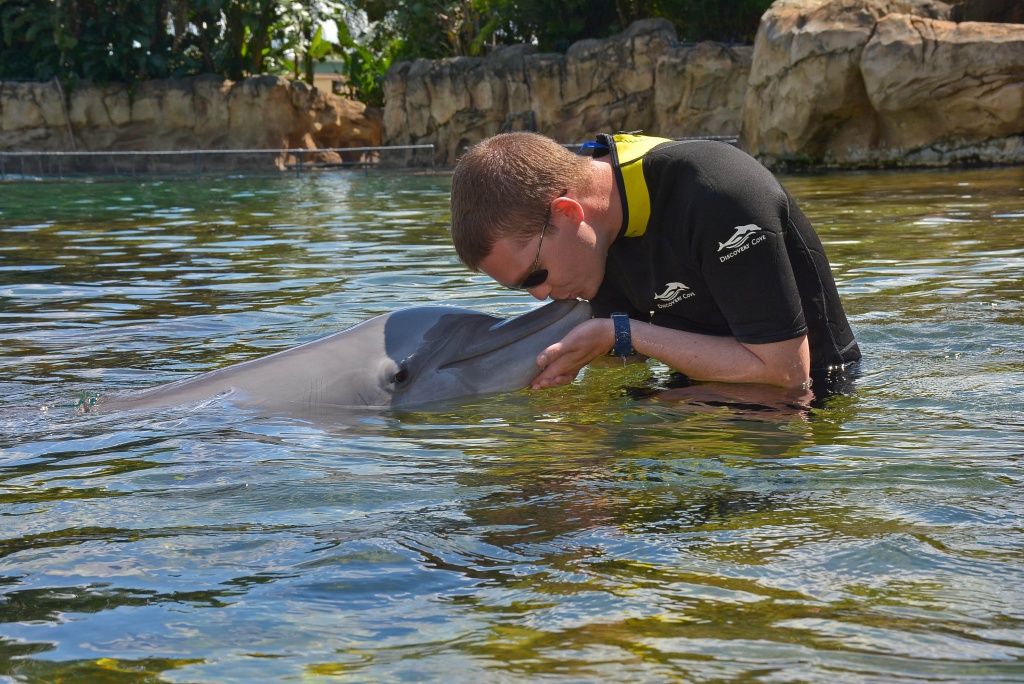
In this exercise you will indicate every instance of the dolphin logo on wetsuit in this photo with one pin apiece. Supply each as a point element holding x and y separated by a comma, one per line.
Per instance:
<point>672,291</point>
<point>742,234</point>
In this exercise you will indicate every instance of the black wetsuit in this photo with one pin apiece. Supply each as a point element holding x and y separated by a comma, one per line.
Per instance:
<point>711,243</point>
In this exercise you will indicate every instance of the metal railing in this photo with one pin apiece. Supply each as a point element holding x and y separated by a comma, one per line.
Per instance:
<point>144,164</point>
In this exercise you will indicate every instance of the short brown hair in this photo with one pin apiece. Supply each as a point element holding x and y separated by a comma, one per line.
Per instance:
<point>502,188</point>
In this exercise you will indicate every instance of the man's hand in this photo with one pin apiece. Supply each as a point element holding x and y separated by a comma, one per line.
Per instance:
<point>562,361</point>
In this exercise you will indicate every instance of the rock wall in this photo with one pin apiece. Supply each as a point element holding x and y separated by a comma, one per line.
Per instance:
<point>883,82</point>
<point>641,79</point>
<point>205,112</point>
<point>828,82</point>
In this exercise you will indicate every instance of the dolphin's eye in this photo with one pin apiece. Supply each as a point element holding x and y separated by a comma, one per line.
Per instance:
<point>401,376</point>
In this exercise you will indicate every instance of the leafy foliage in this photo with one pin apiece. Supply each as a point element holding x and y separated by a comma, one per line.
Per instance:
<point>365,53</point>
<point>93,39</point>
<point>103,41</point>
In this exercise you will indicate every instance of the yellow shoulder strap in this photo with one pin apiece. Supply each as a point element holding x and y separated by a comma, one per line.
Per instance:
<point>630,150</point>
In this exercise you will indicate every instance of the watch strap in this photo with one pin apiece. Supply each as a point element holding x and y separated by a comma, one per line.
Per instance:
<point>623,339</point>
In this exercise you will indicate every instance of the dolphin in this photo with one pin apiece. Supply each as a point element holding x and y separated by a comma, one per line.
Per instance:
<point>405,358</point>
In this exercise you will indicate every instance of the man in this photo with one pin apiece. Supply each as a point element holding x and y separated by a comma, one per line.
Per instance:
<point>700,257</point>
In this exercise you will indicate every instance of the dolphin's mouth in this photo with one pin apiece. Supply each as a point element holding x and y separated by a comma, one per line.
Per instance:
<point>512,330</point>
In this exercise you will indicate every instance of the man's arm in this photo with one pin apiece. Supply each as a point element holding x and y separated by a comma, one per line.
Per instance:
<point>700,357</point>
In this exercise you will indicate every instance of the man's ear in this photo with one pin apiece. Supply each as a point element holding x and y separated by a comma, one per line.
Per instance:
<point>568,207</point>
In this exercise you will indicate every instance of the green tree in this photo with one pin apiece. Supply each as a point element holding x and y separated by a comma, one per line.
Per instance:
<point>95,40</point>
<point>734,21</point>
<point>103,41</point>
<point>129,40</point>
<point>28,32</point>
<point>366,50</point>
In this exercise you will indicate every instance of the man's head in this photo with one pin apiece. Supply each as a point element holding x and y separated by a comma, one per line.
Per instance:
<point>503,188</point>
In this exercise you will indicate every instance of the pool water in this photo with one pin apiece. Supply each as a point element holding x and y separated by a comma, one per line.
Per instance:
<point>606,530</point>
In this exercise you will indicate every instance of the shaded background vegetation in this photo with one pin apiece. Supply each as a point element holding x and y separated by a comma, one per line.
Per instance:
<point>103,41</point>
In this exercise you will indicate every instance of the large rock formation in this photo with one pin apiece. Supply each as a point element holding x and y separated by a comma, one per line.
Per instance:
<point>202,113</point>
<point>641,79</point>
<point>870,82</point>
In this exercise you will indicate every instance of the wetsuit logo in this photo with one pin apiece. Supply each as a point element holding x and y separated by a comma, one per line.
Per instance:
<point>743,239</point>
<point>673,293</point>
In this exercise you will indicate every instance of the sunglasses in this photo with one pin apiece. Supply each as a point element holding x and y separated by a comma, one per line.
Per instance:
<point>537,276</point>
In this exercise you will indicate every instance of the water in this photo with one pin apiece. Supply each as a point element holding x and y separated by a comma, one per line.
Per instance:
<point>588,533</point>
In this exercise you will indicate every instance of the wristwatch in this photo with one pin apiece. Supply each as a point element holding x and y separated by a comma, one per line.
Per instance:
<point>623,341</point>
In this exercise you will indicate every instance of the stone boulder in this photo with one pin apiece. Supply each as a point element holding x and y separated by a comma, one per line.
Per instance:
<point>962,97</point>
<point>879,82</point>
<point>699,90</point>
<point>33,116</point>
<point>201,113</point>
<point>640,79</point>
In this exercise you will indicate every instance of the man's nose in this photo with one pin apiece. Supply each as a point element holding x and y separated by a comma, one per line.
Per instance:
<point>541,292</point>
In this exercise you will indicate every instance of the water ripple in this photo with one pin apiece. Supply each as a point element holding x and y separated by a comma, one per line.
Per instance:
<point>604,530</point>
